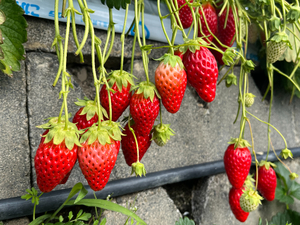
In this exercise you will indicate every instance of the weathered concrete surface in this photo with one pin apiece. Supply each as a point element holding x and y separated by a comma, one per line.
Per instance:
<point>153,206</point>
<point>21,221</point>
<point>210,202</point>
<point>45,29</point>
<point>14,145</point>
<point>43,103</point>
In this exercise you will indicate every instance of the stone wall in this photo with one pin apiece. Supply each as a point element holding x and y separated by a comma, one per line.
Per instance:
<point>202,132</point>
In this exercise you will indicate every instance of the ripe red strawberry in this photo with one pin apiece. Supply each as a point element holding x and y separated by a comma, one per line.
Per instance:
<point>129,145</point>
<point>170,81</point>
<point>211,19</point>
<point>87,115</point>
<point>121,84</point>
<point>81,119</point>
<point>266,181</point>
<point>53,164</point>
<point>226,34</point>
<point>202,72</point>
<point>234,202</point>
<point>96,162</point>
<point>144,107</point>
<point>237,163</point>
<point>185,14</point>
<point>178,53</point>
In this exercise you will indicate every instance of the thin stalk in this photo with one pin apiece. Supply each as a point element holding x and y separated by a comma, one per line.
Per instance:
<point>270,126</point>
<point>64,78</point>
<point>132,54</point>
<point>280,72</point>
<point>163,27</point>
<point>253,151</point>
<point>123,38</point>
<point>58,40</point>
<point>269,117</point>
<point>112,28</point>
<point>74,29</point>
<point>135,139</point>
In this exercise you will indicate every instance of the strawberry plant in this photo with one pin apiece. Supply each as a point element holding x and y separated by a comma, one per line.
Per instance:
<point>213,32</point>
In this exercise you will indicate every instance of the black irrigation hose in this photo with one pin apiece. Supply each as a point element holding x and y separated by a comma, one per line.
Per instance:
<point>17,207</point>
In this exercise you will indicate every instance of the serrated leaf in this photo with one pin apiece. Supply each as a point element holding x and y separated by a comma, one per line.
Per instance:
<point>295,190</point>
<point>283,173</point>
<point>85,216</point>
<point>281,195</point>
<point>70,215</point>
<point>14,34</point>
<point>286,217</point>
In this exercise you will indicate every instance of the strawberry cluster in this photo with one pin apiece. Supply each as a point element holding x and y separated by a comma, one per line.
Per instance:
<point>243,199</point>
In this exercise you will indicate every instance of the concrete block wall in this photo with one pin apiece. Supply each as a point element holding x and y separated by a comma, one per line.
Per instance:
<point>202,130</point>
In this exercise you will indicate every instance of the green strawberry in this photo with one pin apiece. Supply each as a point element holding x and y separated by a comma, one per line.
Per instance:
<point>250,200</point>
<point>249,99</point>
<point>277,46</point>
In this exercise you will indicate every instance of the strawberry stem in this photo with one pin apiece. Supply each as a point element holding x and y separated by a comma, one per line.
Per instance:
<point>123,38</point>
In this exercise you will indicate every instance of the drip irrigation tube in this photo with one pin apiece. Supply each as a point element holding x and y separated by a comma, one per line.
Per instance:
<point>16,207</point>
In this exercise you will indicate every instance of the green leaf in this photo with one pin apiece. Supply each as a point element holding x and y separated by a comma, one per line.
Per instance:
<point>85,216</point>
<point>40,219</point>
<point>14,34</point>
<point>70,215</point>
<point>108,206</point>
<point>185,221</point>
<point>286,217</point>
<point>282,196</point>
<point>283,173</point>
<point>295,190</point>
<point>116,3</point>
<point>83,192</point>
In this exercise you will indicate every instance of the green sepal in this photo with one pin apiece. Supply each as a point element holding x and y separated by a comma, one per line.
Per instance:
<point>281,37</point>
<point>248,65</point>
<point>192,44</point>
<point>53,121</point>
<point>293,176</point>
<point>293,14</point>
<point>172,60</point>
<point>274,23</point>
<point>138,168</point>
<point>90,108</point>
<point>267,164</point>
<point>162,134</point>
<point>59,133</point>
<point>239,143</point>
<point>231,79</point>
<point>104,134</point>
<point>120,79</point>
<point>249,182</point>
<point>286,153</point>
<point>114,129</point>
<point>148,89</point>
<point>229,56</point>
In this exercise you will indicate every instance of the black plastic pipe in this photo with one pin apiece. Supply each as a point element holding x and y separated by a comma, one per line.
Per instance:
<point>16,207</point>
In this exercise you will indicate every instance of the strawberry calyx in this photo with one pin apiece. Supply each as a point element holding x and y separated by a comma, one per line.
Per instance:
<point>293,176</point>
<point>239,143</point>
<point>266,164</point>
<point>60,133</point>
<point>248,65</point>
<point>250,200</point>
<point>192,44</point>
<point>90,108</point>
<point>162,134</point>
<point>286,153</point>
<point>229,55</point>
<point>172,60</point>
<point>138,168</point>
<point>148,89</point>
<point>103,134</point>
<point>53,121</point>
<point>281,37</point>
<point>274,23</point>
<point>231,79</point>
<point>293,14</point>
<point>121,79</point>
<point>249,181</point>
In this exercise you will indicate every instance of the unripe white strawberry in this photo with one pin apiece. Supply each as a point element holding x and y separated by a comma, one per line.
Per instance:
<point>275,50</point>
<point>250,200</point>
